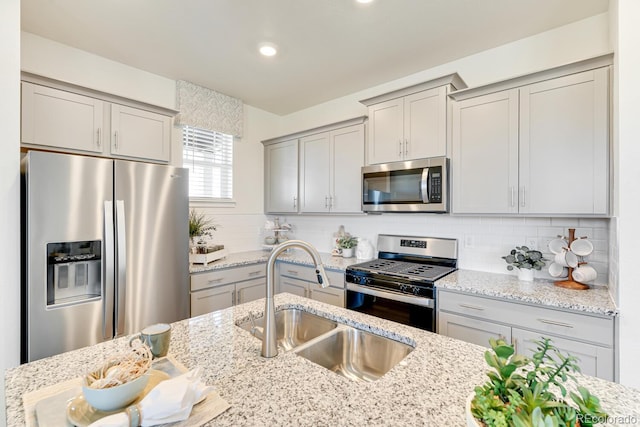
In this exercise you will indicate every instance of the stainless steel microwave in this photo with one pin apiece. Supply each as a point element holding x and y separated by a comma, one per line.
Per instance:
<point>411,186</point>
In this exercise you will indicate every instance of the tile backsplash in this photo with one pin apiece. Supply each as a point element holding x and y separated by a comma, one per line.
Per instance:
<point>482,240</point>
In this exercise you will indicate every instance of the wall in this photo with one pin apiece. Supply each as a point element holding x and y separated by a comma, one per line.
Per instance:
<point>240,223</point>
<point>9,190</point>
<point>628,176</point>
<point>579,40</point>
<point>483,240</point>
<point>67,64</point>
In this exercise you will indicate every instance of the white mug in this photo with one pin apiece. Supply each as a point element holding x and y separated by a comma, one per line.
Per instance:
<point>556,246</point>
<point>566,259</point>
<point>584,273</point>
<point>557,270</point>
<point>581,247</point>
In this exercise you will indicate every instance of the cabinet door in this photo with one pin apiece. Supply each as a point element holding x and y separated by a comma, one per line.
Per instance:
<point>425,124</point>
<point>386,139</point>
<point>564,145</point>
<point>593,360</point>
<point>212,299</point>
<point>471,330</point>
<point>347,159</point>
<point>327,295</point>
<point>250,290</point>
<point>293,286</point>
<point>60,119</point>
<point>484,158</point>
<point>281,181</point>
<point>140,134</point>
<point>314,173</point>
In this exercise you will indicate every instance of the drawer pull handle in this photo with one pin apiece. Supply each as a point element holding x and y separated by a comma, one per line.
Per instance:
<point>216,280</point>
<point>254,273</point>
<point>295,273</point>
<point>553,322</point>
<point>472,307</point>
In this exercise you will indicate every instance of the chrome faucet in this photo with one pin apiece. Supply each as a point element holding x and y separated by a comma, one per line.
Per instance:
<point>269,338</point>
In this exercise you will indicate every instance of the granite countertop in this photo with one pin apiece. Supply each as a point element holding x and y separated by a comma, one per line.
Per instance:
<point>596,300</point>
<point>429,387</point>
<point>293,255</point>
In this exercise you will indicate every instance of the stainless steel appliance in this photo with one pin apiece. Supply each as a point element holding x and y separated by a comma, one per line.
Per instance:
<point>399,285</point>
<point>104,250</point>
<point>411,186</point>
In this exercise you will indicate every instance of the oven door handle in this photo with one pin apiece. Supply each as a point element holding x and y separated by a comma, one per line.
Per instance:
<point>395,296</point>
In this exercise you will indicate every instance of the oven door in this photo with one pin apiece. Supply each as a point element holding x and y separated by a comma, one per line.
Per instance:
<point>418,312</point>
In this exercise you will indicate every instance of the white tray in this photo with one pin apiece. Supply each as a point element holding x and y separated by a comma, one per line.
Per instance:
<point>207,258</point>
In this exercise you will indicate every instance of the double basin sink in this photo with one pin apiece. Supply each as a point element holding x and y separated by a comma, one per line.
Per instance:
<point>353,353</point>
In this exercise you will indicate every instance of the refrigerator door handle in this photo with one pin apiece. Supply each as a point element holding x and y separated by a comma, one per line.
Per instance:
<point>108,284</point>
<point>121,268</point>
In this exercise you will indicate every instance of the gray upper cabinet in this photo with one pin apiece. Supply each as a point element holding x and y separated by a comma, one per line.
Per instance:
<point>66,121</point>
<point>410,123</point>
<point>316,171</point>
<point>536,149</point>
<point>281,176</point>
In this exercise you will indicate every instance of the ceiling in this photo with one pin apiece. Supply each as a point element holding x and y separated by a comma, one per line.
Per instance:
<point>327,48</point>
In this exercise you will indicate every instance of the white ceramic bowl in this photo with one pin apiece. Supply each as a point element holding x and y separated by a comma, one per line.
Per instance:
<point>112,398</point>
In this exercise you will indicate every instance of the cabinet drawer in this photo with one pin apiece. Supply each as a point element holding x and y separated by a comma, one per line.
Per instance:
<point>543,320</point>
<point>226,276</point>
<point>209,300</point>
<point>331,296</point>
<point>308,273</point>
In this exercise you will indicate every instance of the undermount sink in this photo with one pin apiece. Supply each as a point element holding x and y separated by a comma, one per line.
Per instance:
<point>356,354</point>
<point>293,327</point>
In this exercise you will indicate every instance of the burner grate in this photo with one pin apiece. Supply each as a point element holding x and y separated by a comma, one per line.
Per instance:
<point>403,268</point>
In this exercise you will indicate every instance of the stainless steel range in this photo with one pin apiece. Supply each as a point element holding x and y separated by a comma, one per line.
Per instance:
<point>399,285</point>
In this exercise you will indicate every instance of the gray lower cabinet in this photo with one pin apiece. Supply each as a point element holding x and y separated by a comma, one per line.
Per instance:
<point>476,319</point>
<point>219,289</point>
<point>301,280</point>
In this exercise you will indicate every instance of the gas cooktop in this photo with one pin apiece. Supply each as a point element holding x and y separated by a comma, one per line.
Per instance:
<point>403,269</point>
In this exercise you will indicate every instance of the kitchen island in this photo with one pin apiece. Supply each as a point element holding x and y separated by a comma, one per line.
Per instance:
<point>429,387</point>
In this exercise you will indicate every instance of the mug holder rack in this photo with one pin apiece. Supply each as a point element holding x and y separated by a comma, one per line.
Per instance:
<point>569,283</point>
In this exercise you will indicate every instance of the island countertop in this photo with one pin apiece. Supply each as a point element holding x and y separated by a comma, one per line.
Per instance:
<point>429,387</point>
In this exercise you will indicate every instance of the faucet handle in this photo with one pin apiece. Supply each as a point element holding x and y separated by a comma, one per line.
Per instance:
<point>321,276</point>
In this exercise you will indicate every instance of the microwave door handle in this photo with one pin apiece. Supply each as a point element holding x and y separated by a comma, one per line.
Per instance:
<point>424,185</point>
<point>108,282</point>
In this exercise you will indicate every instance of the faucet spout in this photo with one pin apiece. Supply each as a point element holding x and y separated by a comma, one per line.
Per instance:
<point>269,338</point>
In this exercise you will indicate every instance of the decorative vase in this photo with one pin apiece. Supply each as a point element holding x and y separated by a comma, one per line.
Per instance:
<point>471,420</point>
<point>525,274</point>
<point>348,252</point>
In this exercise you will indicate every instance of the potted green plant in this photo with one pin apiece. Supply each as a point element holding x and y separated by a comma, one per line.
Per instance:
<point>525,260</point>
<point>199,226</point>
<point>347,244</point>
<point>532,392</point>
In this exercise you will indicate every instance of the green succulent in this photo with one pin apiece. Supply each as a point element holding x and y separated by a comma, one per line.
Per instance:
<point>347,241</point>
<point>523,257</point>
<point>521,391</point>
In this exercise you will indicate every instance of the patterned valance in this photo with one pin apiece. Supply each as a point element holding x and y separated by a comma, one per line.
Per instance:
<point>207,109</point>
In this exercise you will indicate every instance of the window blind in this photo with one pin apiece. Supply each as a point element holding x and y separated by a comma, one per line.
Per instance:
<point>209,157</point>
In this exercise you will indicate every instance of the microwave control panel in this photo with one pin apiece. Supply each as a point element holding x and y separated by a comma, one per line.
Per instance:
<point>435,185</point>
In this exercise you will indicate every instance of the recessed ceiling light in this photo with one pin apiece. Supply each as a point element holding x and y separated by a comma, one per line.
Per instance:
<point>267,49</point>
<point>364,1</point>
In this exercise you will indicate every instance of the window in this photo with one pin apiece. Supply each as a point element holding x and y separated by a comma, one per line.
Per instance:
<point>209,157</point>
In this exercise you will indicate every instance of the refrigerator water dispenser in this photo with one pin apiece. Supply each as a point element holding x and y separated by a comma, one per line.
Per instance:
<point>73,272</point>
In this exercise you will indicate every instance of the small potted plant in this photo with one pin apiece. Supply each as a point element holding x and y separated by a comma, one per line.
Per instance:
<point>199,227</point>
<point>347,244</point>
<point>523,392</point>
<point>525,260</point>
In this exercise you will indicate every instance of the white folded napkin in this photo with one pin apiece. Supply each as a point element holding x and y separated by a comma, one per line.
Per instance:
<point>169,401</point>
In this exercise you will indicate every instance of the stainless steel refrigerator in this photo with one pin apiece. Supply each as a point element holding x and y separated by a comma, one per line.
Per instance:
<point>104,250</point>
